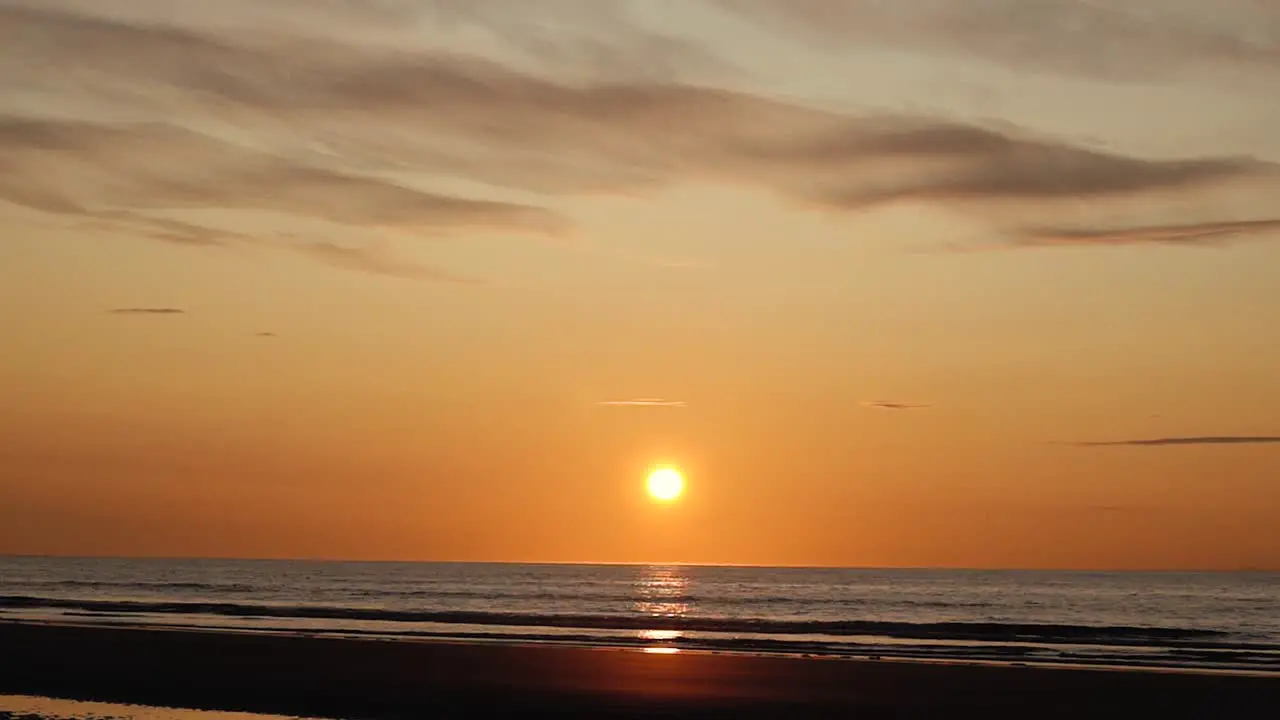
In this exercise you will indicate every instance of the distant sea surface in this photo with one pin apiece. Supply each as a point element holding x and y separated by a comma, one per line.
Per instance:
<point>1195,620</point>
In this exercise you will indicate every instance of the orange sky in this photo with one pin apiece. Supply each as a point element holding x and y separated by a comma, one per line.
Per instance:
<point>894,284</point>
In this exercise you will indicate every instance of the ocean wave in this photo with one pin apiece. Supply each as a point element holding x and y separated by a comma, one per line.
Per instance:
<point>147,585</point>
<point>578,596</point>
<point>953,631</point>
<point>575,595</point>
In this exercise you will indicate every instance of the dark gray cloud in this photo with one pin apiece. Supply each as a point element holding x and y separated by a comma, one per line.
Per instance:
<point>1136,39</point>
<point>1034,173</point>
<point>916,159</point>
<point>147,311</point>
<point>330,129</point>
<point>1190,234</point>
<point>1194,440</point>
<point>895,405</point>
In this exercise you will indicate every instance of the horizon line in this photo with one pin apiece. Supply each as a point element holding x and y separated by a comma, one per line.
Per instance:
<point>762,566</point>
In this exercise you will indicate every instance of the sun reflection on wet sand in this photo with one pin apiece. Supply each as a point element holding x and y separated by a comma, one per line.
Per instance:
<point>662,650</point>
<point>661,635</point>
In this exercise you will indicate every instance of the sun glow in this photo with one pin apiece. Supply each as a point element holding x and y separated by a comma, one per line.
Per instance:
<point>665,484</point>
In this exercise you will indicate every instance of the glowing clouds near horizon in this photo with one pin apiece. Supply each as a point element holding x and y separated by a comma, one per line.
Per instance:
<point>665,484</point>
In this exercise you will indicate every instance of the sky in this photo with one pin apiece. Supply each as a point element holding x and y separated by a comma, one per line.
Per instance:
<point>923,283</point>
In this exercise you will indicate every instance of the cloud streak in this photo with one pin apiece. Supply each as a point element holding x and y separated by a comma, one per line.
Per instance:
<point>1193,440</point>
<point>162,228</point>
<point>644,402</point>
<point>147,311</point>
<point>894,405</point>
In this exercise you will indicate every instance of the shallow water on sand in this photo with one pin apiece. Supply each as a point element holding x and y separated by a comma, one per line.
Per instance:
<point>22,707</point>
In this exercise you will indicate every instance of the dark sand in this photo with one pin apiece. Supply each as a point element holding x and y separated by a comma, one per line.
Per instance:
<point>350,678</point>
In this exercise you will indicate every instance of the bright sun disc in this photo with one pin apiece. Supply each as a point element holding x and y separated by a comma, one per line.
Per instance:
<point>665,484</point>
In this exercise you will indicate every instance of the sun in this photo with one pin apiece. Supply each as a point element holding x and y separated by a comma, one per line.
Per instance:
<point>665,484</point>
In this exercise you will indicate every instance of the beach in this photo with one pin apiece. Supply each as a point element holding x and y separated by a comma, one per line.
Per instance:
<point>299,675</point>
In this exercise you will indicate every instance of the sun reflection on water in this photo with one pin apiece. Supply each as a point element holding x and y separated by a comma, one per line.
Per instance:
<point>662,593</point>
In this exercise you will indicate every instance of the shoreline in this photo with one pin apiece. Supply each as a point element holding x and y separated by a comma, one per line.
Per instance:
<point>325,676</point>
<point>969,655</point>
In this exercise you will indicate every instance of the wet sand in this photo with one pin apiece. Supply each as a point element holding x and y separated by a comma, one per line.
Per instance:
<point>375,679</point>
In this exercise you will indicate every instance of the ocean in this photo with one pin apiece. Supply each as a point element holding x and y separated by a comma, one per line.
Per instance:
<point>1223,621</point>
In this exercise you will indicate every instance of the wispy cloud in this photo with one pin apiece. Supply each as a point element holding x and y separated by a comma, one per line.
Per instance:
<point>1102,508</point>
<point>376,260</point>
<point>348,122</point>
<point>114,176</point>
<point>895,405</point>
<point>1193,440</point>
<point>603,39</point>
<point>94,168</point>
<point>162,228</point>
<point>147,311</point>
<point>1137,39</point>
<point>644,402</point>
